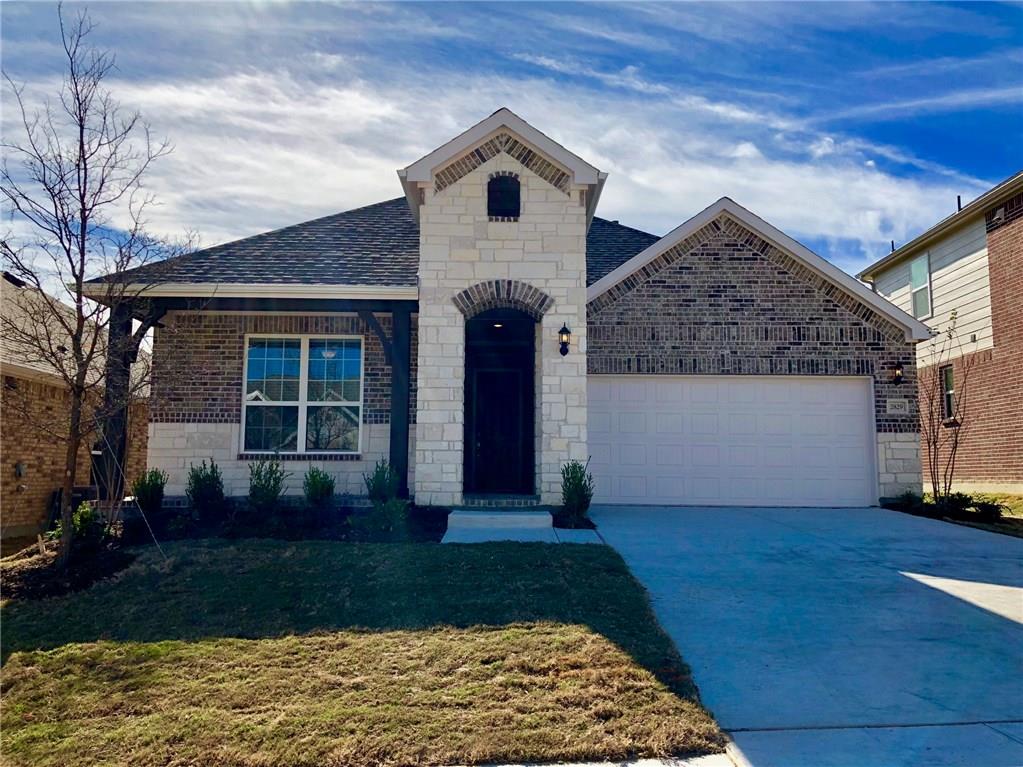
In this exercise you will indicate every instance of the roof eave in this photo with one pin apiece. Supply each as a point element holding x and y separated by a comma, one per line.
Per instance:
<point>261,290</point>
<point>993,196</point>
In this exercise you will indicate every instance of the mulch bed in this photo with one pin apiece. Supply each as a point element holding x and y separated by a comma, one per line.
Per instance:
<point>31,575</point>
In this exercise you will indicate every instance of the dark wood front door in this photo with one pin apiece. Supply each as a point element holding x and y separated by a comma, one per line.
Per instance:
<point>499,450</point>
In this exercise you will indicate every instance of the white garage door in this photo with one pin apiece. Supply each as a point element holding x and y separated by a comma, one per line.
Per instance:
<point>732,440</point>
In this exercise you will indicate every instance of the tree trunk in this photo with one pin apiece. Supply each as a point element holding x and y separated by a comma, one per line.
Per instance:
<point>70,467</point>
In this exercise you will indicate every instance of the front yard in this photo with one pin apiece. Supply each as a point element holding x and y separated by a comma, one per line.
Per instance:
<point>261,652</point>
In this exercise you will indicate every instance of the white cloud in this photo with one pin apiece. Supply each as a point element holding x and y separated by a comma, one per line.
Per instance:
<point>945,102</point>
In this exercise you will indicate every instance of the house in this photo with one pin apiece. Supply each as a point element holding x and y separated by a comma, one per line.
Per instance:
<point>486,327</point>
<point>36,410</point>
<point>971,263</point>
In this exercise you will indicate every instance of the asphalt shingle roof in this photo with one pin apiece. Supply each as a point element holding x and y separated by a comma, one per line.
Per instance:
<point>374,245</point>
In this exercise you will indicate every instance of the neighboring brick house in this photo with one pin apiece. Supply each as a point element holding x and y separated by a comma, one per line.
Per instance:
<point>971,263</point>
<point>35,407</point>
<point>486,327</point>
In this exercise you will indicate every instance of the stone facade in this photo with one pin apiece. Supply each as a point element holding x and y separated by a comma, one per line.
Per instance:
<point>545,250</point>
<point>35,413</point>
<point>726,302</point>
<point>198,367</point>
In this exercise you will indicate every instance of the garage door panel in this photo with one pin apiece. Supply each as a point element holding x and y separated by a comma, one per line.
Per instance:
<point>732,440</point>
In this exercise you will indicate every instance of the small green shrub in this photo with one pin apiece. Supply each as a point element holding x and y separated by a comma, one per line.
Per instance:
<point>388,521</point>
<point>319,488</point>
<point>955,505</point>
<point>907,501</point>
<point>382,482</point>
<point>88,527</point>
<point>148,490</point>
<point>205,490</point>
<point>267,482</point>
<point>989,511</point>
<point>576,490</point>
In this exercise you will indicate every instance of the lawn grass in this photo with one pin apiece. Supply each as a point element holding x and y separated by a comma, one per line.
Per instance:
<point>323,653</point>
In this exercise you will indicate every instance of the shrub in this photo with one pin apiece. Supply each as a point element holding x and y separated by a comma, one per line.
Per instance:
<point>205,490</point>
<point>576,490</point>
<point>319,488</point>
<point>148,490</point>
<point>382,482</point>
<point>266,485</point>
<point>87,524</point>
<point>989,511</point>
<point>387,521</point>
<point>907,501</point>
<point>955,505</point>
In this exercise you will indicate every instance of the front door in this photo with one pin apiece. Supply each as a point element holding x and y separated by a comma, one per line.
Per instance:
<point>499,403</point>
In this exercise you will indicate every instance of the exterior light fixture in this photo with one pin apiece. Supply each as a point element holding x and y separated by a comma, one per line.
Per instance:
<point>564,338</point>
<point>898,375</point>
<point>498,325</point>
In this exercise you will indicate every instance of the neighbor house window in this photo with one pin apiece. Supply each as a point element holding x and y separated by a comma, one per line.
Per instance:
<point>302,394</point>
<point>948,393</point>
<point>503,196</point>
<point>920,285</point>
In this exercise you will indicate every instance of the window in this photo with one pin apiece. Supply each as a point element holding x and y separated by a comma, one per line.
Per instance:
<point>948,393</point>
<point>503,196</point>
<point>920,285</point>
<point>302,394</point>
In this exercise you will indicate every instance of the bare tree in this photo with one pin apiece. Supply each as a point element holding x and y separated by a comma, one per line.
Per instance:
<point>73,186</point>
<point>944,412</point>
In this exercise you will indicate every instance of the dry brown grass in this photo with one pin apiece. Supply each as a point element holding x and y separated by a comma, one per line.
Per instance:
<point>260,654</point>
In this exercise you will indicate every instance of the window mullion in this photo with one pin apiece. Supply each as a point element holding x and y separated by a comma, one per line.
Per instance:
<point>303,380</point>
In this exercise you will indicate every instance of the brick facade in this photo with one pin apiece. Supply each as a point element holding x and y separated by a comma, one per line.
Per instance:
<point>199,358</point>
<point>726,302</point>
<point>990,456</point>
<point>198,365</point>
<point>34,414</point>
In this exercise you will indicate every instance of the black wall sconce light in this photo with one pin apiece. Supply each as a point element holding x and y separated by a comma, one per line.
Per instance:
<point>898,374</point>
<point>564,338</point>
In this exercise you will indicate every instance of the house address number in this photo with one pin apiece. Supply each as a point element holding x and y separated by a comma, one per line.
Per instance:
<point>898,407</point>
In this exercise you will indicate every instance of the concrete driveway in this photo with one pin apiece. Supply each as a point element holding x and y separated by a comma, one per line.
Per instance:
<point>839,637</point>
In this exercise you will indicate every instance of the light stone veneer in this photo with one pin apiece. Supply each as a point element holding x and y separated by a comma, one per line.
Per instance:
<point>460,247</point>
<point>173,447</point>
<point>898,463</point>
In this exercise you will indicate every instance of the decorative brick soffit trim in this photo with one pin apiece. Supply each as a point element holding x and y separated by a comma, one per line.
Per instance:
<point>724,227</point>
<point>502,142</point>
<point>503,294</point>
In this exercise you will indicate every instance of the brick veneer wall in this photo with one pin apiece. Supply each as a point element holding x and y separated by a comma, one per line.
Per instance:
<point>198,363</point>
<point>991,454</point>
<point>199,358</point>
<point>33,413</point>
<point>726,302</point>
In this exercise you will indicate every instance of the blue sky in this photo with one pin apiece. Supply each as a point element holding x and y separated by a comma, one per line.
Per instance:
<point>845,124</point>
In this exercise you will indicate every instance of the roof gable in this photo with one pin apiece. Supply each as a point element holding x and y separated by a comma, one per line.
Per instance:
<point>502,131</point>
<point>694,229</point>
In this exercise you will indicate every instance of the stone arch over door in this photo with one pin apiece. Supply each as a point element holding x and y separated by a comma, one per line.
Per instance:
<point>503,294</point>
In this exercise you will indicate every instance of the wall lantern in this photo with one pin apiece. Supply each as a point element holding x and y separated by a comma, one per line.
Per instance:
<point>898,375</point>
<point>564,338</point>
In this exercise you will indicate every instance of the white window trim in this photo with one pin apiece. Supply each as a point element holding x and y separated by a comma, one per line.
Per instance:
<point>948,413</point>
<point>303,402</point>
<point>913,291</point>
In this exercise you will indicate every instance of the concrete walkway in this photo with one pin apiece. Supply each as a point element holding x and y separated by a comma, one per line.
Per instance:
<point>839,637</point>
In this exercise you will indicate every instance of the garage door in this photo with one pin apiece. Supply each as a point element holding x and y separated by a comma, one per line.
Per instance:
<point>724,440</point>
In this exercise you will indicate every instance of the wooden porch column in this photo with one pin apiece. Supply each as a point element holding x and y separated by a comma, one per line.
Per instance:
<point>401,354</point>
<point>114,436</point>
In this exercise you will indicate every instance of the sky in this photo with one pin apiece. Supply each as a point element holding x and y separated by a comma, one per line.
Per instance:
<point>847,125</point>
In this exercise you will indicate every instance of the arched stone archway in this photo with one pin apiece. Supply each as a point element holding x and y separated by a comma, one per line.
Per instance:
<point>503,294</point>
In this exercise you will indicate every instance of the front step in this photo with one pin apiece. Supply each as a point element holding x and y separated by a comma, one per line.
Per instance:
<point>471,519</point>
<point>499,501</point>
